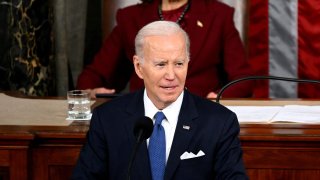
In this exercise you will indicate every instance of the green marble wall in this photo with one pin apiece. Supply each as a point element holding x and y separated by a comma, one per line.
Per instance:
<point>26,47</point>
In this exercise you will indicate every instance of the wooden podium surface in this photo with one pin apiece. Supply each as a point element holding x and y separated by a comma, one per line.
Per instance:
<point>271,151</point>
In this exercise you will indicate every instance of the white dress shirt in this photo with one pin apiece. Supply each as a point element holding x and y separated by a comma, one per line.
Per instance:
<point>169,124</point>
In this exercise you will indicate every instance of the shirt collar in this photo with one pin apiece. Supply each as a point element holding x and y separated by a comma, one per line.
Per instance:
<point>171,112</point>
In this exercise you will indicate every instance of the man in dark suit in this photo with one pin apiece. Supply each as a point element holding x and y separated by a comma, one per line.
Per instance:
<point>199,138</point>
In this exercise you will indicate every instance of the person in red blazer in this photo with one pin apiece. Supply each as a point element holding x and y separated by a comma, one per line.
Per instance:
<point>217,53</point>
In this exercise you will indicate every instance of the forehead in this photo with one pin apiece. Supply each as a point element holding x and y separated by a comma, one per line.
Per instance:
<point>170,35</point>
<point>165,43</point>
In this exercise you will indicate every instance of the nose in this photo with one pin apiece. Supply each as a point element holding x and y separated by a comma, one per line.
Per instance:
<point>170,73</point>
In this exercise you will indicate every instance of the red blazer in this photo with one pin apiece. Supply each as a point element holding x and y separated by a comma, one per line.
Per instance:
<point>217,55</point>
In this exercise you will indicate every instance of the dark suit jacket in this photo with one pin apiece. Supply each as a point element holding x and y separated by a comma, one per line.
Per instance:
<point>213,129</point>
<point>217,53</point>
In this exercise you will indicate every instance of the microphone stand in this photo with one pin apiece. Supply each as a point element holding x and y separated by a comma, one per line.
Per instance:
<point>263,77</point>
<point>133,154</point>
<point>142,131</point>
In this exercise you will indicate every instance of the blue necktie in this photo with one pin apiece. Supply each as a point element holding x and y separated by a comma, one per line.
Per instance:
<point>157,148</point>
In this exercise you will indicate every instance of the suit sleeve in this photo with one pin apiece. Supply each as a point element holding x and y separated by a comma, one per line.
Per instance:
<point>229,164</point>
<point>92,162</point>
<point>235,60</point>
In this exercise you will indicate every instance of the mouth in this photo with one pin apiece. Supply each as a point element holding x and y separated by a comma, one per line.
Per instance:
<point>169,88</point>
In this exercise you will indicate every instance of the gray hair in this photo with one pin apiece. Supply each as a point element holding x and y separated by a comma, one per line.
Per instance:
<point>158,28</point>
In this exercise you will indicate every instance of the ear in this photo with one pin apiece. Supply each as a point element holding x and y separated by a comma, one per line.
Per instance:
<point>137,66</point>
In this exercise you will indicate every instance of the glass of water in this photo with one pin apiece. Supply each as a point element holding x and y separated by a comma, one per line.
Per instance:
<point>79,105</point>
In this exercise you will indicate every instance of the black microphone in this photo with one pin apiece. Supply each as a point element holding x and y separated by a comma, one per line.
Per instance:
<point>261,78</point>
<point>142,130</point>
<point>107,95</point>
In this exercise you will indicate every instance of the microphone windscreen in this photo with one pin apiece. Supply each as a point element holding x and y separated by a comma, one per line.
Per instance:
<point>144,125</point>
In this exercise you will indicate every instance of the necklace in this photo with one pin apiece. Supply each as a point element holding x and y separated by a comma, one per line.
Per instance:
<point>181,15</point>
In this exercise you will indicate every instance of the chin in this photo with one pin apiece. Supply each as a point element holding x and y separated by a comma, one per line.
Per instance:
<point>169,98</point>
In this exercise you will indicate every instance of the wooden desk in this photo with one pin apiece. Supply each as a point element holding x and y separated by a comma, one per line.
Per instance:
<point>271,151</point>
<point>281,151</point>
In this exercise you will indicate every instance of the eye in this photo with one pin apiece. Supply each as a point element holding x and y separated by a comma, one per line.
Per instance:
<point>161,64</point>
<point>179,64</point>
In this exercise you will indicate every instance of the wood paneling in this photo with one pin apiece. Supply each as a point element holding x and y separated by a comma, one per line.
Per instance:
<point>54,162</point>
<point>280,174</point>
<point>60,172</point>
<point>19,159</point>
<point>271,151</point>
<point>5,157</point>
<point>4,173</point>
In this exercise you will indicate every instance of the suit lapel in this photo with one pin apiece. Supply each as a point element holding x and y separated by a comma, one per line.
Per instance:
<point>183,134</point>
<point>141,164</point>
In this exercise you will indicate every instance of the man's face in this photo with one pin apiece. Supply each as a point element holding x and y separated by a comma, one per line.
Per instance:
<point>164,68</point>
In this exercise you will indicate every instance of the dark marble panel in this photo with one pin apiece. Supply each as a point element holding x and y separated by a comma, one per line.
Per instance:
<point>26,50</point>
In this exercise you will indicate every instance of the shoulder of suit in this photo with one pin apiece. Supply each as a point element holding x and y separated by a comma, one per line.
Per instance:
<point>118,102</point>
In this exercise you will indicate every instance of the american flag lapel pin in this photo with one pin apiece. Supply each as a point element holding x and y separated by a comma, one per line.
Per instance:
<point>186,127</point>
